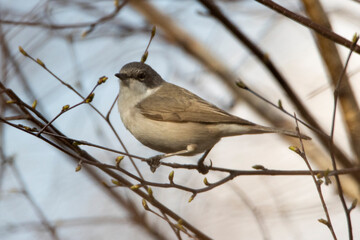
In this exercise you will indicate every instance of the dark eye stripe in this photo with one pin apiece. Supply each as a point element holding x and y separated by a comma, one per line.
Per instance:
<point>141,76</point>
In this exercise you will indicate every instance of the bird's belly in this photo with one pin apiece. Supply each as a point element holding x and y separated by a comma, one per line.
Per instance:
<point>169,137</point>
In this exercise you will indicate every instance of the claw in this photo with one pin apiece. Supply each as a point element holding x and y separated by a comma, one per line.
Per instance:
<point>202,168</point>
<point>154,162</point>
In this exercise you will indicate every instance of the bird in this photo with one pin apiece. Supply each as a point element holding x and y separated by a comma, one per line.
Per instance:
<point>174,121</point>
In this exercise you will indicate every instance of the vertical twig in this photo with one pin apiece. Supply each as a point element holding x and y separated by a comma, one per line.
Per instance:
<point>332,60</point>
<point>337,179</point>
<point>318,183</point>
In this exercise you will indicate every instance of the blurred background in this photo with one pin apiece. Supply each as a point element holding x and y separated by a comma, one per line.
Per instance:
<point>41,195</point>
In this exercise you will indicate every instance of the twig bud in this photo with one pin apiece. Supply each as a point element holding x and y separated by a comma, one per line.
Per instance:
<point>259,167</point>
<point>76,143</point>
<point>145,205</point>
<point>40,62</point>
<point>171,176</point>
<point>65,108</point>
<point>295,149</point>
<point>150,192</point>
<point>179,225</point>
<point>78,167</point>
<point>191,198</point>
<point>355,38</point>
<point>119,159</point>
<point>90,98</point>
<point>23,51</point>
<point>135,187</point>
<point>102,80</point>
<point>144,56</point>
<point>153,31</point>
<point>34,104</point>
<point>241,84</point>
<point>323,221</point>
<point>116,182</point>
<point>319,182</point>
<point>206,182</point>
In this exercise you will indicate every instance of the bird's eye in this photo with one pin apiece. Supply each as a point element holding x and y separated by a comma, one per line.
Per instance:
<point>141,76</point>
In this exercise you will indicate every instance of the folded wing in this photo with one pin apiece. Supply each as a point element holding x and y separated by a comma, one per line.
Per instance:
<point>176,104</point>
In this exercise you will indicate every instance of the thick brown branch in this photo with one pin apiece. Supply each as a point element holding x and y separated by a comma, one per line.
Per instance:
<point>327,33</point>
<point>332,60</point>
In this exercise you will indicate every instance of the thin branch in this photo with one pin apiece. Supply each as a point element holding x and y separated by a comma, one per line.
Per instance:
<point>337,179</point>
<point>86,158</point>
<point>67,108</point>
<point>91,25</point>
<point>39,62</point>
<point>215,11</point>
<point>310,24</point>
<point>318,183</point>
<point>334,66</point>
<point>111,108</point>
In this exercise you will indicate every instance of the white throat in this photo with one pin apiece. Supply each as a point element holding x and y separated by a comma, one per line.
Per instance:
<point>130,95</point>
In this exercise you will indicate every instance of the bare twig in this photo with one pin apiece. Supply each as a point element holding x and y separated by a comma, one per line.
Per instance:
<point>318,183</point>
<point>91,25</point>
<point>39,62</point>
<point>332,60</point>
<point>81,155</point>
<point>337,179</point>
<point>67,108</point>
<point>309,24</point>
<point>312,123</point>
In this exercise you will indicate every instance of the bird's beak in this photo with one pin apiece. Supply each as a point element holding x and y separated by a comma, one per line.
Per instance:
<point>121,76</point>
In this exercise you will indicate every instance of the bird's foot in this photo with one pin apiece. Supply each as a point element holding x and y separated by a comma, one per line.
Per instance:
<point>154,162</point>
<point>202,168</point>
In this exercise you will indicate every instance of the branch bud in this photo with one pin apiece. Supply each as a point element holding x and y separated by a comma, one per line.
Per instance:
<point>90,98</point>
<point>206,182</point>
<point>23,51</point>
<point>144,203</point>
<point>323,221</point>
<point>65,108</point>
<point>144,56</point>
<point>102,80</point>
<point>34,104</point>
<point>180,226</point>
<point>116,182</point>
<point>78,167</point>
<point>40,62</point>
<point>259,167</point>
<point>355,38</point>
<point>191,198</point>
<point>119,159</point>
<point>295,149</point>
<point>135,187</point>
<point>171,176</point>
<point>150,192</point>
<point>241,84</point>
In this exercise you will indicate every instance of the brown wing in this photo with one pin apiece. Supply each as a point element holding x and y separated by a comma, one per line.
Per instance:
<point>176,104</point>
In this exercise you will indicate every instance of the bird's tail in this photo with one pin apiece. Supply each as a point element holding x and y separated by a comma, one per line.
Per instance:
<point>239,129</point>
<point>261,129</point>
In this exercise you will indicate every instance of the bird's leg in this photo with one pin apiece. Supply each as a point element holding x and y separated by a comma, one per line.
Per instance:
<point>154,162</point>
<point>201,166</point>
